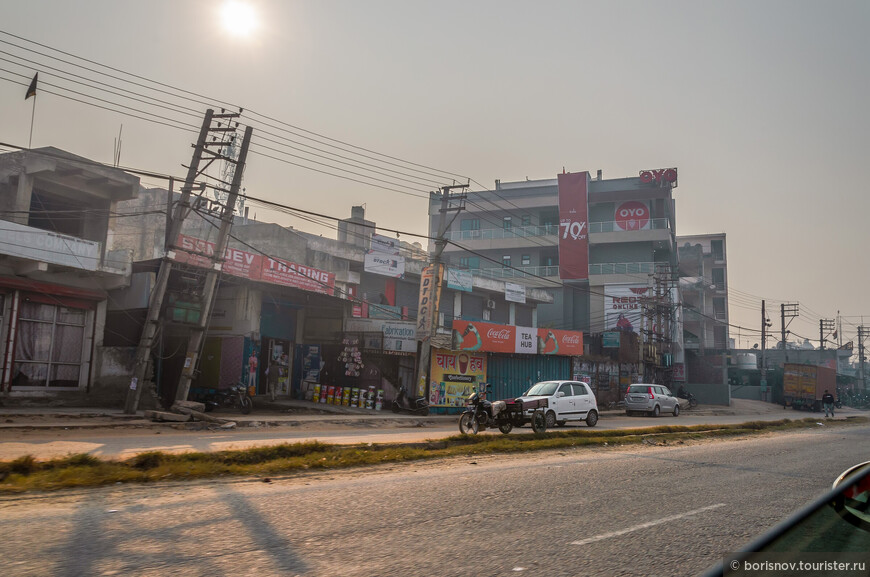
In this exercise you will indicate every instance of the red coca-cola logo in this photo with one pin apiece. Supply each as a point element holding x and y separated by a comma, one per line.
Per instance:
<point>632,215</point>
<point>503,334</point>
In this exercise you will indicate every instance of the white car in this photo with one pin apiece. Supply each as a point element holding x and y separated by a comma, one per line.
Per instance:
<point>566,401</point>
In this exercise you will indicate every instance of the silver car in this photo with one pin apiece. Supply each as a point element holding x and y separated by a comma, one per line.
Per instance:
<point>651,400</point>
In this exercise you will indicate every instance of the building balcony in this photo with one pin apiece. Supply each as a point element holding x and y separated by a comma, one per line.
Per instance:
<point>607,232</point>
<point>43,247</point>
<point>530,273</point>
<point>503,238</point>
<point>606,268</point>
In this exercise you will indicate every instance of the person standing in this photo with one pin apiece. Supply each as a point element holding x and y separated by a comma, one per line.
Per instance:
<point>828,403</point>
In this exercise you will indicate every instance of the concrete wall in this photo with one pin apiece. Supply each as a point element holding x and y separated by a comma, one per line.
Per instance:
<point>710,394</point>
<point>746,392</point>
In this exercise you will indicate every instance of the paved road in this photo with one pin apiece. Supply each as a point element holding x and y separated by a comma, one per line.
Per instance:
<point>639,510</point>
<point>121,443</point>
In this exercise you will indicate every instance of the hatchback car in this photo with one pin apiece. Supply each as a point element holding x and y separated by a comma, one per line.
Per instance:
<point>651,400</point>
<point>566,401</point>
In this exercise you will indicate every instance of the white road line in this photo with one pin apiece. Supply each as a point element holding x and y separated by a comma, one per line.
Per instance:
<point>644,525</point>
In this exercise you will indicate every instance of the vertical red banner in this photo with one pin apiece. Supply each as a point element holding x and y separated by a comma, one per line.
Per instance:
<point>573,226</point>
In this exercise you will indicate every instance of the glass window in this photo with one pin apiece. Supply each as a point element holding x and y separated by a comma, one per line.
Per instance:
<point>580,389</point>
<point>566,388</point>
<point>717,247</point>
<point>527,220</point>
<point>508,223</point>
<point>527,260</point>
<point>719,278</point>
<point>506,260</point>
<point>48,346</point>
<point>470,224</point>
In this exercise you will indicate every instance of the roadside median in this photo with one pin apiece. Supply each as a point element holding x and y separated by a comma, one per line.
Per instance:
<point>28,474</point>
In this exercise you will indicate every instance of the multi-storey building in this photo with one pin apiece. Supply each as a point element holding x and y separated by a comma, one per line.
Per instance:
<point>605,250</point>
<point>704,287</point>
<point>58,260</point>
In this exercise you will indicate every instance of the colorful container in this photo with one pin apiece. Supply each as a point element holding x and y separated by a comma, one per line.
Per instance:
<point>323,394</point>
<point>330,395</point>
<point>354,397</point>
<point>345,396</point>
<point>316,396</point>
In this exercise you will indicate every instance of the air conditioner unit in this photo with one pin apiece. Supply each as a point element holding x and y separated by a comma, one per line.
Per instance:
<point>490,304</point>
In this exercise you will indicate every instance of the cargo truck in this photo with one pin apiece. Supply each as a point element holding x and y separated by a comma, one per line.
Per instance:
<point>804,385</point>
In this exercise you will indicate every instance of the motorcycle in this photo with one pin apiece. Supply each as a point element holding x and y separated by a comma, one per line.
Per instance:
<point>234,397</point>
<point>418,405</point>
<point>693,402</point>
<point>481,414</point>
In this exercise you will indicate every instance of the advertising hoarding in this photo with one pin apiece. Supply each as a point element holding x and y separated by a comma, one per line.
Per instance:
<point>573,226</point>
<point>240,263</point>
<point>384,264</point>
<point>515,293</point>
<point>632,215</point>
<point>430,294</point>
<point>495,338</point>
<point>623,307</point>
<point>454,376</point>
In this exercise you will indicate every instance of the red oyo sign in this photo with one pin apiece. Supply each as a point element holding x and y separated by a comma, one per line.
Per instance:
<point>632,215</point>
<point>659,176</point>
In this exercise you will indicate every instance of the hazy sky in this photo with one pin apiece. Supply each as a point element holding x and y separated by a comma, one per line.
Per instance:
<point>762,105</point>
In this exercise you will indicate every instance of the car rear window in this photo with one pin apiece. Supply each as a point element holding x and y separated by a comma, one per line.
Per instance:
<point>638,389</point>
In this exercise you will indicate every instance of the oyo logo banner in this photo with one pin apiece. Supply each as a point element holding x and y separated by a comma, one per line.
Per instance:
<point>659,176</point>
<point>632,215</point>
<point>573,226</point>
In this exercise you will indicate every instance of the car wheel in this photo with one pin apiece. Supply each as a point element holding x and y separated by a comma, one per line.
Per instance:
<point>677,410</point>
<point>656,411</point>
<point>561,423</point>
<point>592,419</point>
<point>539,422</point>
<point>551,419</point>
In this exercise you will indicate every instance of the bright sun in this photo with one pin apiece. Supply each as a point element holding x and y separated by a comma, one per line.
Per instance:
<point>238,18</point>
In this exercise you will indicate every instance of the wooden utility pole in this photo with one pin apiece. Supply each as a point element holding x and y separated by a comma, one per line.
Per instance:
<point>196,339</point>
<point>155,305</point>
<point>425,349</point>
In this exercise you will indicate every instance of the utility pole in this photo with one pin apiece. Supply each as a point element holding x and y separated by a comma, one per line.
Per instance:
<point>155,305</point>
<point>826,327</point>
<point>862,334</point>
<point>765,324</point>
<point>431,313</point>
<point>790,311</point>
<point>195,343</point>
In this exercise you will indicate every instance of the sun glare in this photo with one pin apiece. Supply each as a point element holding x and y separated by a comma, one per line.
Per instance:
<point>238,18</point>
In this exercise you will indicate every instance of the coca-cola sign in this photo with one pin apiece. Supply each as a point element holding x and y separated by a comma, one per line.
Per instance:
<point>494,338</point>
<point>659,176</point>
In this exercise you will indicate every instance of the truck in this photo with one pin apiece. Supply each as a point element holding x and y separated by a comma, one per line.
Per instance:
<point>804,385</point>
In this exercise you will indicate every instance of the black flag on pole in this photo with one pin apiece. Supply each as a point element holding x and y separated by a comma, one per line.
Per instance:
<point>31,90</point>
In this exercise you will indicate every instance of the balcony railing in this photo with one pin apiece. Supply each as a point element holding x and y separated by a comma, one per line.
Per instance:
<point>518,272</point>
<point>504,233</point>
<point>622,268</point>
<point>613,226</point>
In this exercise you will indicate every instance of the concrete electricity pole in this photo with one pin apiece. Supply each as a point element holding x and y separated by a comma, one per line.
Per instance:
<point>826,327</point>
<point>790,311</point>
<point>765,324</point>
<point>195,343</point>
<point>862,334</point>
<point>431,322</point>
<point>155,305</point>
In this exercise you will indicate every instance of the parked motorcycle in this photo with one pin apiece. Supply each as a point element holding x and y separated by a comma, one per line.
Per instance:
<point>418,405</point>
<point>481,414</point>
<point>693,402</point>
<point>234,397</point>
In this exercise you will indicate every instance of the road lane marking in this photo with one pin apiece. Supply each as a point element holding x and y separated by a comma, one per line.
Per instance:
<point>645,525</point>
